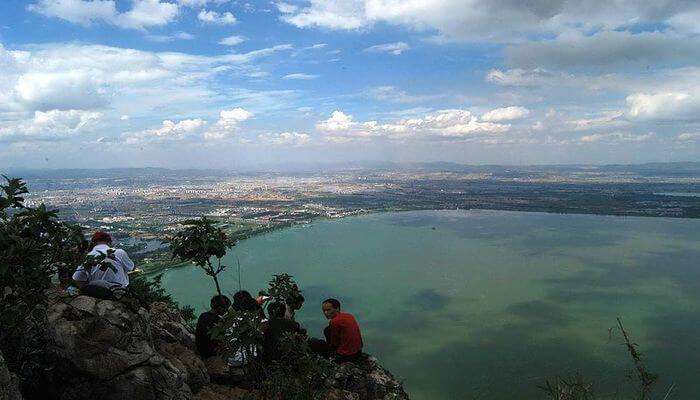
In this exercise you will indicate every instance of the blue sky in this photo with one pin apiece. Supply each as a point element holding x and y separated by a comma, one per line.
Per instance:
<point>226,83</point>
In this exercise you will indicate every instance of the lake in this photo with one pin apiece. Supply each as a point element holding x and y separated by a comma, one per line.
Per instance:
<point>488,304</point>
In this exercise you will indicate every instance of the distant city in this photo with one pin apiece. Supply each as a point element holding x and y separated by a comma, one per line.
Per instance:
<point>142,206</point>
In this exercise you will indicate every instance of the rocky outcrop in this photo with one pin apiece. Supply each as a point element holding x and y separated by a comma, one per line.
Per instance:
<point>367,381</point>
<point>9,384</point>
<point>113,350</point>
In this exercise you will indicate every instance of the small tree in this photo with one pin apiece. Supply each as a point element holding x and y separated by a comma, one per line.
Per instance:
<point>283,287</point>
<point>198,242</point>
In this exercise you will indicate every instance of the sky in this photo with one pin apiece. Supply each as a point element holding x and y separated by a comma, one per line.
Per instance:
<point>234,84</point>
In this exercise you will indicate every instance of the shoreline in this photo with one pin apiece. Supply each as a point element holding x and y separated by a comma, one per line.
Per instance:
<point>150,272</point>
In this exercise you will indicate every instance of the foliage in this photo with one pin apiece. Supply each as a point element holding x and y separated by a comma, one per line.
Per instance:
<point>240,333</point>
<point>282,287</point>
<point>298,374</point>
<point>34,245</point>
<point>198,242</point>
<point>576,388</point>
<point>645,379</point>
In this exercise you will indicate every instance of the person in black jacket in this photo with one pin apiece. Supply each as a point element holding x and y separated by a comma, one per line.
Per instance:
<point>275,329</point>
<point>205,345</point>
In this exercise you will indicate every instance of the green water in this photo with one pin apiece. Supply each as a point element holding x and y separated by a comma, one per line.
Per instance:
<point>488,304</point>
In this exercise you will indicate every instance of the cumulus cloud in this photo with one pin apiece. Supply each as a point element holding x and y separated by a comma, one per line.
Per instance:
<point>200,3</point>
<point>616,137</point>
<point>663,106</point>
<point>213,17</point>
<point>687,137</point>
<point>285,139</point>
<point>450,123</point>
<point>50,125</point>
<point>170,38</point>
<point>606,49</point>
<point>194,130</point>
<point>72,89</point>
<point>390,48</point>
<point>519,77</point>
<point>300,76</point>
<point>168,131</point>
<point>232,40</point>
<point>487,19</point>
<point>505,114</point>
<point>143,13</point>
<point>228,123</point>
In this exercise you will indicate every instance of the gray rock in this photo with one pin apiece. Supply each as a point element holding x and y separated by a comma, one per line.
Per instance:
<point>9,383</point>
<point>111,347</point>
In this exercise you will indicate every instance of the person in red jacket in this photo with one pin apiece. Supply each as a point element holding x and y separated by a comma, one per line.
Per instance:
<point>342,333</point>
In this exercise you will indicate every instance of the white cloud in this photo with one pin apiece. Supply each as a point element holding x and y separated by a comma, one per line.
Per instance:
<point>213,17</point>
<point>170,38</point>
<point>50,125</point>
<point>394,95</point>
<point>168,131</point>
<point>200,3</point>
<point>286,8</point>
<point>300,76</point>
<point>450,123</point>
<point>488,19</point>
<point>519,77</point>
<point>606,120</point>
<point>689,136</point>
<point>505,114</point>
<point>334,14</point>
<point>143,13</point>
<point>285,139</point>
<point>72,89</point>
<point>663,106</point>
<point>615,137</point>
<point>390,48</point>
<point>228,123</point>
<point>232,40</point>
<point>118,81</point>
<point>338,121</point>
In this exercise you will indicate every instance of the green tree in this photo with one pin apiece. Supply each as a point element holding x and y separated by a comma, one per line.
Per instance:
<point>198,242</point>
<point>282,287</point>
<point>34,246</point>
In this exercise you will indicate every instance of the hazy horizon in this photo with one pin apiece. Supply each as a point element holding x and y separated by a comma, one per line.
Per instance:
<point>229,84</point>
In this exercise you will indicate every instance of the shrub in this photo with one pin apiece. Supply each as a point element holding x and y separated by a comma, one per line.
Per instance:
<point>34,246</point>
<point>198,242</point>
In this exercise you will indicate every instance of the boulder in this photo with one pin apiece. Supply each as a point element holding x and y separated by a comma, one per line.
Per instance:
<point>110,347</point>
<point>9,383</point>
<point>169,326</point>
<point>369,381</point>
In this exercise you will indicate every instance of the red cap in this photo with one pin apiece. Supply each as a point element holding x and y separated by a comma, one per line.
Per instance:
<point>101,236</point>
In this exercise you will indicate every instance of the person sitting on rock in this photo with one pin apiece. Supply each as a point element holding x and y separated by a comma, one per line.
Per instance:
<point>275,329</point>
<point>205,345</point>
<point>106,272</point>
<point>343,338</point>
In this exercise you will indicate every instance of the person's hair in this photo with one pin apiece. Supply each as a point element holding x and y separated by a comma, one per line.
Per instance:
<point>295,299</point>
<point>276,310</point>
<point>220,301</point>
<point>243,301</point>
<point>335,303</point>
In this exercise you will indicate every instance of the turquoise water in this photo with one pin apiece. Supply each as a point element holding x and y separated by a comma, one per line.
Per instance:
<point>488,304</point>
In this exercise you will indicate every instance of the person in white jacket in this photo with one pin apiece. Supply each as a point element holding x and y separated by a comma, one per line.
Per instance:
<point>112,272</point>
